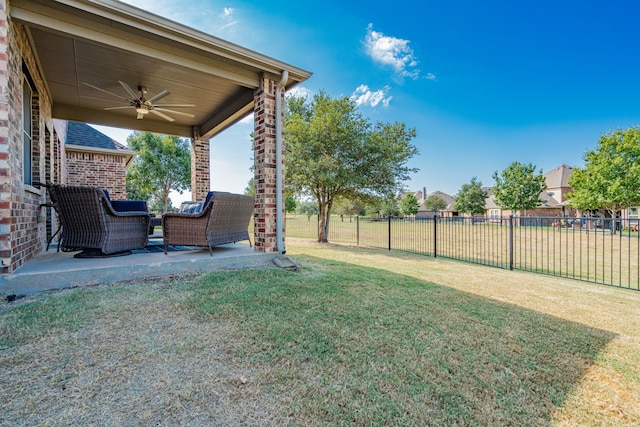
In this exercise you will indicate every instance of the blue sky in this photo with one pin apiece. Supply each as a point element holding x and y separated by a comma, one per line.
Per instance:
<point>484,83</point>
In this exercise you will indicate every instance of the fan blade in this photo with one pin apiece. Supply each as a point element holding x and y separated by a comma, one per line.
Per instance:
<point>164,116</point>
<point>130,91</point>
<point>158,96</point>
<point>106,91</point>
<point>175,105</point>
<point>128,107</point>
<point>174,112</point>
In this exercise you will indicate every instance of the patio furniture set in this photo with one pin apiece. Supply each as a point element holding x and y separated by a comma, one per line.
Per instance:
<point>95,225</point>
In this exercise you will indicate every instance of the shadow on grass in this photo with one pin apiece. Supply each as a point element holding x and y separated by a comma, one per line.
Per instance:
<point>362,346</point>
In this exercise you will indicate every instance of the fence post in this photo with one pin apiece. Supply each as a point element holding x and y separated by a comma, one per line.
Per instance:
<point>389,234</point>
<point>510,242</point>
<point>357,230</point>
<point>435,234</point>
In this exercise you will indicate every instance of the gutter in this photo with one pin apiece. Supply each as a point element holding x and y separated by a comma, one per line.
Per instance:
<point>279,172</point>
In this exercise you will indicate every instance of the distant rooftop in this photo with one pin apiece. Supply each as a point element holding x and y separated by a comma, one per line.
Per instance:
<point>83,135</point>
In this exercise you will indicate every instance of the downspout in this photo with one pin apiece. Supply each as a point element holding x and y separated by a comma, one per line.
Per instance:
<point>279,178</point>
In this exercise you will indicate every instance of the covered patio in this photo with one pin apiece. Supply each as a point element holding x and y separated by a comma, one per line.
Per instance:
<point>108,63</point>
<point>58,270</point>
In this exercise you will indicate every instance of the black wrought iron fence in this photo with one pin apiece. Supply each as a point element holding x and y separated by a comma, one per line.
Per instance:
<point>605,251</point>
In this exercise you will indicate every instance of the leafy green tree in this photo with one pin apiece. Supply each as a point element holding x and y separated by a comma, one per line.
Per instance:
<point>471,198</point>
<point>611,177</point>
<point>435,203</point>
<point>290,204</point>
<point>518,187</point>
<point>344,206</point>
<point>382,206</point>
<point>249,190</point>
<point>307,208</point>
<point>333,151</point>
<point>163,164</point>
<point>157,206</point>
<point>409,205</point>
<point>134,192</point>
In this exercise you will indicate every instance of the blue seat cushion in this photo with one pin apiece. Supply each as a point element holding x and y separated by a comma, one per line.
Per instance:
<point>129,205</point>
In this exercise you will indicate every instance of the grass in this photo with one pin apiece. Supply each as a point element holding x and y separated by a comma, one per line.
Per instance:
<point>411,341</point>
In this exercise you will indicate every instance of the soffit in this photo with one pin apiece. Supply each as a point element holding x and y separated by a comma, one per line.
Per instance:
<point>84,43</point>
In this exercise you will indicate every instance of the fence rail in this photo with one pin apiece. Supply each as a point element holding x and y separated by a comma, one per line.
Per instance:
<point>604,251</point>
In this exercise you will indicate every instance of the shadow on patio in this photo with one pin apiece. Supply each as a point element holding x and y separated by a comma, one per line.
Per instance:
<point>57,270</point>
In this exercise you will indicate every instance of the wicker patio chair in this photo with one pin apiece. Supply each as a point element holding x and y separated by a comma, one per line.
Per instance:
<point>91,225</point>
<point>224,219</point>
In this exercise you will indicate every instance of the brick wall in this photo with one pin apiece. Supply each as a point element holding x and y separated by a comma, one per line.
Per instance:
<point>103,170</point>
<point>265,167</point>
<point>22,220</point>
<point>5,146</point>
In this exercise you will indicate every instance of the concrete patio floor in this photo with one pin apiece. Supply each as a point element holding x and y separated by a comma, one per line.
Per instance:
<point>58,270</point>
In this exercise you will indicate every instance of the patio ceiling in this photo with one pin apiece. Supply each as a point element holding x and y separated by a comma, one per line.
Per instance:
<point>83,44</point>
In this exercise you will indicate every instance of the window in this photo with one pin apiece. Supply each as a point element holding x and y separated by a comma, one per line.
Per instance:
<point>633,213</point>
<point>27,130</point>
<point>494,213</point>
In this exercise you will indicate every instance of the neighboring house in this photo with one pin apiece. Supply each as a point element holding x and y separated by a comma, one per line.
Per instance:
<point>423,212</point>
<point>94,159</point>
<point>83,60</point>
<point>554,198</point>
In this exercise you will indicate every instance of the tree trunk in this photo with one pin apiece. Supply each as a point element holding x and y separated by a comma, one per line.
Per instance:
<point>613,222</point>
<point>165,201</point>
<point>322,223</point>
<point>324,213</point>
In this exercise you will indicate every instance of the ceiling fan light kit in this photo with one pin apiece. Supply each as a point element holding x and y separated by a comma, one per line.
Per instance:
<point>145,106</point>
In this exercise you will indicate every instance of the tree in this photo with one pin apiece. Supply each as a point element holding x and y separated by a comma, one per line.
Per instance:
<point>307,208</point>
<point>611,177</point>
<point>249,190</point>
<point>389,206</point>
<point>163,164</point>
<point>157,206</point>
<point>409,205</point>
<point>290,204</point>
<point>435,203</point>
<point>333,151</point>
<point>518,187</point>
<point>471,198</point>
<point>342,206</point>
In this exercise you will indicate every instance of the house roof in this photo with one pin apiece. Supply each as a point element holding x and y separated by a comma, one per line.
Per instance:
<point>444,196</point>
<point>82,137</point>
<point>85,48</point>
<point>558,177</point>
<point>82,134</point>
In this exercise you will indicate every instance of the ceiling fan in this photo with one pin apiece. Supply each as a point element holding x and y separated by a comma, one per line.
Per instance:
<point>145,106</point>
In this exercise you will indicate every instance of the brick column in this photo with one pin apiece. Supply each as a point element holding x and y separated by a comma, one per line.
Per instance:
<point>200,181</point>
<point>265,166</point>
<point>5,148</point>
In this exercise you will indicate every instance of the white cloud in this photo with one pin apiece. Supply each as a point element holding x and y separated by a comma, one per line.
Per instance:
<point>226,12</point>
<point>227,17</point>
<point>365,96</point>
<point>431,76</point>
<point>200,14</point>
<point>300,91</point>
<point>393,52</point>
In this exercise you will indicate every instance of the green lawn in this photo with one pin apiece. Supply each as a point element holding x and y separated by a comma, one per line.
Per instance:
<point>359,337</point>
